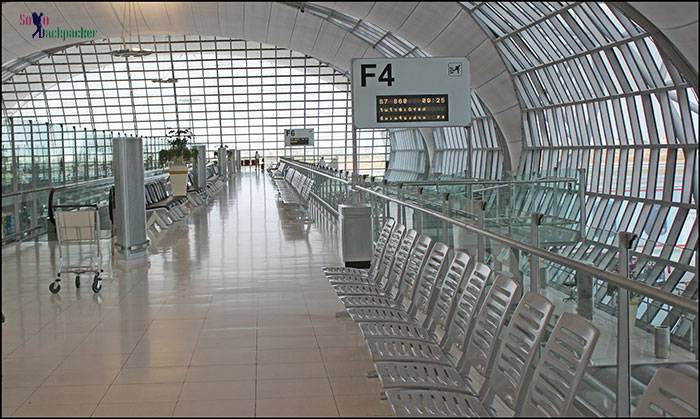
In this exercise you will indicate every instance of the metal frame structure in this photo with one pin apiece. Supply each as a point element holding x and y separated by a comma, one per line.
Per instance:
<point>39,156</point>
<point>255,90</point>
<point>483,136</point>
<point>597,93</point>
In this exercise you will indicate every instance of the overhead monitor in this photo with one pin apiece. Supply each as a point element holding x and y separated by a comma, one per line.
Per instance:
<point>299,137</point>
<point>410,92</point>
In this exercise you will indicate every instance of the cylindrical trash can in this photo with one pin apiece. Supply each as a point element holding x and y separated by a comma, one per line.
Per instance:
<point>662,342</point>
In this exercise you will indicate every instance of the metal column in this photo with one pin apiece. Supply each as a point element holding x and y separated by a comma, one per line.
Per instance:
<point>582,201</point>
<point>221,156</point>
<point>625,241</point>
<point>534,260</point>
<point>129,197</point>
<point>199,166</point>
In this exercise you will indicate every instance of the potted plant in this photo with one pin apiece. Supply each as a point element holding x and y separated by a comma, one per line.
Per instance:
<point>178,155</point>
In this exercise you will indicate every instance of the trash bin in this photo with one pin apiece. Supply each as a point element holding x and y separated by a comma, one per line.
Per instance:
<point>662,342</point>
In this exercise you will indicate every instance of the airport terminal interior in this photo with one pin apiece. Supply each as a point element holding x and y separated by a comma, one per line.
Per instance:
<point>350,209</point>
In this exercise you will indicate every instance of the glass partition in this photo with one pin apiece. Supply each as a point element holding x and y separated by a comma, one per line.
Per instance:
<point>39,157</point>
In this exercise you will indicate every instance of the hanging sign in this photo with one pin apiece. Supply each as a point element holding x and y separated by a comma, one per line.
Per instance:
<point>410,92</point>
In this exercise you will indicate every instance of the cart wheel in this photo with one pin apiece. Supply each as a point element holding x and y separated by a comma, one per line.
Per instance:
<point>96,286</point>
<point>55,287</point>
<point>77,281</point>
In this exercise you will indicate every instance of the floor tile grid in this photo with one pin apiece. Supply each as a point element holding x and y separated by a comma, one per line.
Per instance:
<point>57,367</point>
<point>308,286</point>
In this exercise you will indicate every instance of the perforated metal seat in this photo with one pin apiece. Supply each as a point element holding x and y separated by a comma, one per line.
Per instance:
<point>439,314</point>
<point>379,248</point>
<point>406,293</point>
<point>420,272</point>
<point>482,345</point>
<point>460,323</point>
<point>378,274</point>
<point>394,275</point>
<point>518,348</point>
<point>561,367</point>
<point>543,397</point>
<point>669,394</point>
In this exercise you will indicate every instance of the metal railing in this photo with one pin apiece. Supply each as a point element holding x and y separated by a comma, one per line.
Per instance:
<point>626,286</point>
<point>690,306</point>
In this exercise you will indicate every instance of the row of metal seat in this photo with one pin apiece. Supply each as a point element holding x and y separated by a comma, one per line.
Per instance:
<point>426,331</point>
<point>163,209</point>
<point>294,188</point>
<point>435,332</point>
<point>214,180</point>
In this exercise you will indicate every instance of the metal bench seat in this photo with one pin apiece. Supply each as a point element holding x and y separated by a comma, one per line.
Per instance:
<point>379,314</point>
<point>551,391</point>
<point>422,375</point>
<point>414,403</point>
<point>392,275</point>
<point>419,278</point>
<point>351,279</point>
<point>344,270</point>
<point>398,350</point>
<point>366,301</point>
<point>395,330</point>
<point>446,305</point>
<point>379,271</point>
<point>358,289</point>
<point>478,338</point>
<point>420,270</point>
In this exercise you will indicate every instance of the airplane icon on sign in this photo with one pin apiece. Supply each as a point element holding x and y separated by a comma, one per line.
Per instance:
<point>454,69</point>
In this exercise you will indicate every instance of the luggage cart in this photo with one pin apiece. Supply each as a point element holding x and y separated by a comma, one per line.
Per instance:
<point>78,233</point>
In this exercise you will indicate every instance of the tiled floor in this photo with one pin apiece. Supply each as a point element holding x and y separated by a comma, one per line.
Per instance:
<point>230,316</point>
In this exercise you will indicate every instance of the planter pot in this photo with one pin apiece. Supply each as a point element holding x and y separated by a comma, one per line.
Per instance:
<point>178,179</point>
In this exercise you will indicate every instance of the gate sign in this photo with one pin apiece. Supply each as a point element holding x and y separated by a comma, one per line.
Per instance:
<point>298,137</point>
<point>411,92</point>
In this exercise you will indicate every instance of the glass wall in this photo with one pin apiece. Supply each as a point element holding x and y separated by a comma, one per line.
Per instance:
<point>37,157</point>
<point>229,92</point>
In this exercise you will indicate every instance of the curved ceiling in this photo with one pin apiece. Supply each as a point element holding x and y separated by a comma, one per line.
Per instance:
<point>438,28</point>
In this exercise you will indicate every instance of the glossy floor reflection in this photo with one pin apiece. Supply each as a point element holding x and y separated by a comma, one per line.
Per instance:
<point>231,316</point>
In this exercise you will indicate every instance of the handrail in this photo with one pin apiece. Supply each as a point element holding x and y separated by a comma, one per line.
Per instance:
<point>451,182</point>
<point>489,188</point>
<point>88,183</point>
<point>634,286</point>
<point>84,183</point>
<point>324,203</point>
<point>318,172</point>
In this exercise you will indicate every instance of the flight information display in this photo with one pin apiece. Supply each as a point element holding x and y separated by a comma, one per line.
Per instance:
<point>424,92</point>
<point>299,141</point>
<point>413,108</point>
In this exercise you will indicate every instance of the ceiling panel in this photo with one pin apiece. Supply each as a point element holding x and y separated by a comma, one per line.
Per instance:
<point>391,15</point>
<point>462,36</point>
<point>305,32</point>
<point>427,21</point>
<point>352,47</point>
<point>231,18</point>
<point>206,14</point>
<point>155,20</point>
<point>359,9</point>
<point>257,16</point>
<point>282,21</point>
<point>328,42</point>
